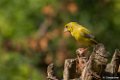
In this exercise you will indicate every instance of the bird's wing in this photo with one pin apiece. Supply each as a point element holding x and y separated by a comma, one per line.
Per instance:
<point>87,34</point>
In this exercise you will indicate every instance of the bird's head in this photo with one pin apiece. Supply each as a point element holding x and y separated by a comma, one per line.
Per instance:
<point>70,26</point>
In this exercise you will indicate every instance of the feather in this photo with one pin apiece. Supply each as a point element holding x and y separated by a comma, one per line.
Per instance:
<point>88,36</point>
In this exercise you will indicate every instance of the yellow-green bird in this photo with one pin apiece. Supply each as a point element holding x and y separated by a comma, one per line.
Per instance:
<point>81,34</point>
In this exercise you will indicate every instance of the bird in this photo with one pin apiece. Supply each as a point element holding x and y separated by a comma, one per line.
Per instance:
<point>81,34</point>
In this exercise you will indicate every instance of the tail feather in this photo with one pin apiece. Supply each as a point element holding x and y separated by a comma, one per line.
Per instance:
<point>94,42</point>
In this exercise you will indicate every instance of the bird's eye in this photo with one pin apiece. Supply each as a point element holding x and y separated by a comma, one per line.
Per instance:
<point>66,26</point>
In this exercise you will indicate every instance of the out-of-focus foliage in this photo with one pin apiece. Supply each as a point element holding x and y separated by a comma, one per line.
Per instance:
<point>32,30</point>
<point>16,67</point>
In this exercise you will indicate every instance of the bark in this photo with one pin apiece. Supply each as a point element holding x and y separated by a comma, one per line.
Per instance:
<point>91,67</point>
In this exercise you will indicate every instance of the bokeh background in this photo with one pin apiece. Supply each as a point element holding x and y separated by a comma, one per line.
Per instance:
<point>31,33</point>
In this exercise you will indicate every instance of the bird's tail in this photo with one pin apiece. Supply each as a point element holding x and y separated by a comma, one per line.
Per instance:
<point>94,42</point>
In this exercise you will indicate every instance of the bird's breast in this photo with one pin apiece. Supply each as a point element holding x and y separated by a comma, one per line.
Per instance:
<point>76,35</point>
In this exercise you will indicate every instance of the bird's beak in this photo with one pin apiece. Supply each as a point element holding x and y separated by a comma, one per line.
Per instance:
<point>65,30</point>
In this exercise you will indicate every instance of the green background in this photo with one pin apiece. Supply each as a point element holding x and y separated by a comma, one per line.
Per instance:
<point>31,33</point>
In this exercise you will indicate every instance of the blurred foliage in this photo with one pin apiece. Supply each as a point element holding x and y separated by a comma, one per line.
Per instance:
<point>32,30</point>
<point>16,67</point>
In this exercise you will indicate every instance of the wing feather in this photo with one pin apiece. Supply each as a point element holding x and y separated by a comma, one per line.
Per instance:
<point>87,34</point>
